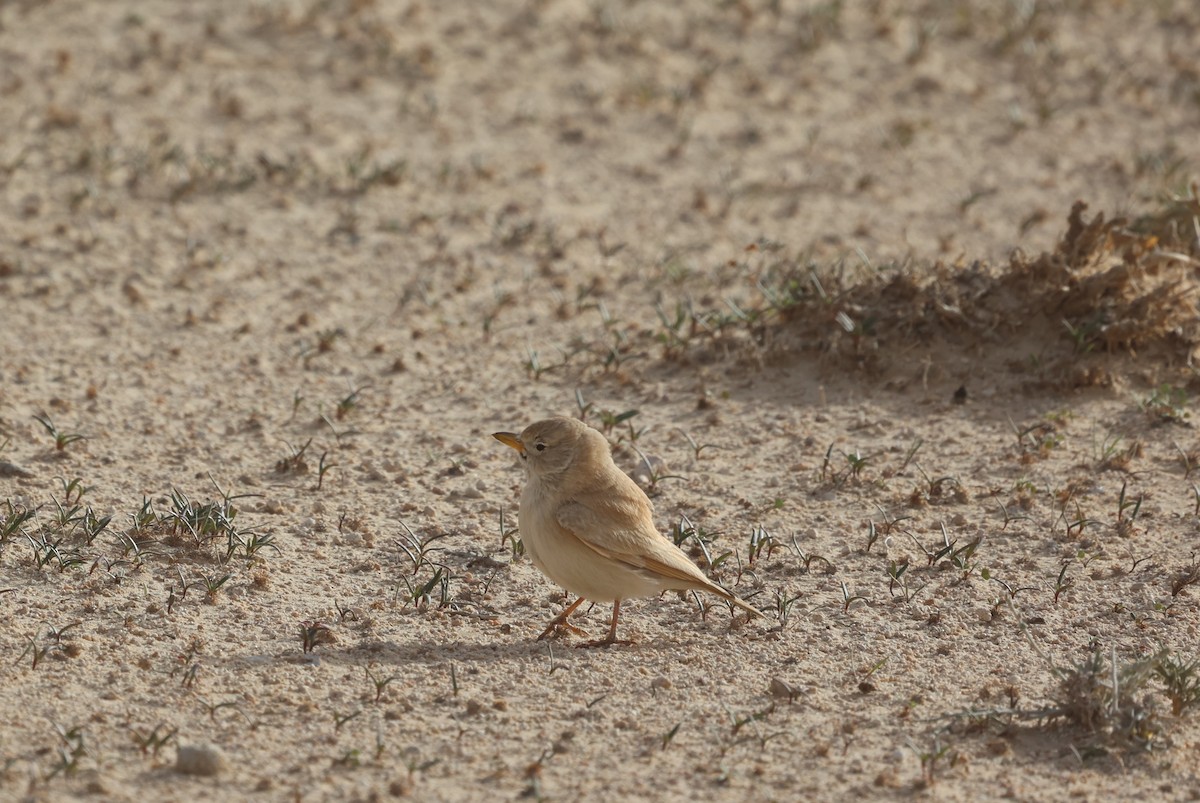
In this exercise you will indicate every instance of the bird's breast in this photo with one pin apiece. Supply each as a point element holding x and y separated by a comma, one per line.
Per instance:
<point>536,523</point>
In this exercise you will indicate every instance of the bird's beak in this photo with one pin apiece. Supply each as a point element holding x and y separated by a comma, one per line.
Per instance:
<point>509,439</point>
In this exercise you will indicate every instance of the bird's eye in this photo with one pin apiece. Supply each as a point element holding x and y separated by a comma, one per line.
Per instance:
<point>541,447</point>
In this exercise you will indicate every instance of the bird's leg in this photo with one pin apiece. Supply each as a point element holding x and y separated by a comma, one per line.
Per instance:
<point>611,639</point>
<point>560,621</point>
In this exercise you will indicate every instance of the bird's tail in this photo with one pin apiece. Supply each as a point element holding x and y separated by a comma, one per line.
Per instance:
<point>729,595</point>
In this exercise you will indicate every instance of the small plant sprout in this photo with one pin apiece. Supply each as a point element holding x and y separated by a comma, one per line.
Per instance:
<point>189,662</point>
<point>1187,460</point>
<point>69,751</point>
<point>857,463</point>
<point>935,487</point>
<point>910,454</point>
<point>873,668</point>
<point>827,474</point>
<point>294,462</point>
<point>1076,525</point>
<point>93,525</point>
<point>297,403</point>
<point>696,448</point>
<point>1182,681</point>
<point>1167,404</point>
<point>533,365</point>
<point>1127,511</point>
<point>609,419</point>
<point>326,338</point>
<point>1083,336</point>
<point>1107,451</point>
<point>1009,518</point>
<point>511,536</point>
<point>934,555</point>
<point>654,472</point>
<point>322,468</point>
<point>344,612</point>
<point>584,407</point>
<point>315,633</point>
<point>337,436</point>
<point>68,514</point>
<point>414,764</point>
<point>554,665</point>
<point>348,403</point>
<point>1187,576</point>
<point>1010,590</point>
<point>961,558</point>
<point>153,741</point>
<point>380,684</point>
<point>61,439</point>
<point>46,551</point>
<point>890,523</point>
<point>897,577</point>
<point>1063,583</point>
<point>753,719</point>
<point>12,521</point>
<point>56,633</point>
<point>213,583</point>
<point>669,735</point>
<point>807,558</point>
<point>340,719</point>
<point>848,599</point>
<point>783,606</point>
<point>929,761</point>
<point>255,543</point>
<point>419,549</point>
<point>53,643</point>
<point>422,594</point>
<point>761,540</point>
<point>684,531</point>
<point>213,708</point>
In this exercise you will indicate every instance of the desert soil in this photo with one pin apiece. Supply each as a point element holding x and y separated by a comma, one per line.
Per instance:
<point>298,260</point>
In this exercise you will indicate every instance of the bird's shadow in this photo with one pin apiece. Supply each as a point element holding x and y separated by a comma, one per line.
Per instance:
<point>466,652</point>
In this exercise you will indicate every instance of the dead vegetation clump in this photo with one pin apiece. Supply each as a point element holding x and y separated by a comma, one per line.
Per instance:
<point>1110,702</point>
<point>1111,288</point>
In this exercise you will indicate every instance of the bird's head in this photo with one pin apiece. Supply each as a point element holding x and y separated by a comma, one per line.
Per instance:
<point>551,448</point>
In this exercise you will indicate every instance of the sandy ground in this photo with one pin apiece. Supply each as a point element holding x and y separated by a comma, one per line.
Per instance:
<point>298,260</point>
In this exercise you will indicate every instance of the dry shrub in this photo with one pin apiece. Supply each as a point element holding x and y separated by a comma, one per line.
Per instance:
<point>1109,288</point>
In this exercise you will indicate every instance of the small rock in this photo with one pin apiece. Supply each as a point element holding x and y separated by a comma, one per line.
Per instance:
<point>272,506</point>
<point>200,759</point>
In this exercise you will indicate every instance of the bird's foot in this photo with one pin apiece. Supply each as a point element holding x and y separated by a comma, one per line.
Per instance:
<point>559,623</point>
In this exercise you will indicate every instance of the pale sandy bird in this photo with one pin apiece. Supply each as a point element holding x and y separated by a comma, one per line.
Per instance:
<point>590,528</point>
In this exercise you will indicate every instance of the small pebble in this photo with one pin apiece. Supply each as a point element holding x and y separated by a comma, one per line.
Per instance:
<point>200,759</point>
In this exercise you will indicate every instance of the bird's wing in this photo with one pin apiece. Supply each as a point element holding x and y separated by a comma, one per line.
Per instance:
<point>607,526</point>
<point>620,529</point>
<point>616,521</point>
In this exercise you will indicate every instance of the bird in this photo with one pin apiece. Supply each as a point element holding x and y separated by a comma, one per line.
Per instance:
<point>589,527</point>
